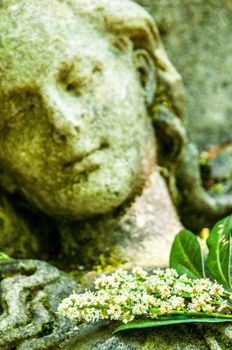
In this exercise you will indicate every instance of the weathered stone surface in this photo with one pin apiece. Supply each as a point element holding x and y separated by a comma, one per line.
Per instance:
<point>30,293</point>
<point>140,233</point>
<point>16,237</point>
<point>173,338</point>
<point>197,36</point>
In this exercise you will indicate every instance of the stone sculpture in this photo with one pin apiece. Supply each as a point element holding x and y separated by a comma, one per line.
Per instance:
<point>78,86</point>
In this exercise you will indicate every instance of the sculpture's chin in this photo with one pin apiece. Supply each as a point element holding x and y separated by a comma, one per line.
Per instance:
<point>98,194</point>
<point>75,207</point>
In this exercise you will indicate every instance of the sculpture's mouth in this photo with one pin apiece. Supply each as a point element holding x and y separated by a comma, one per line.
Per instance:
<point>89,161</point>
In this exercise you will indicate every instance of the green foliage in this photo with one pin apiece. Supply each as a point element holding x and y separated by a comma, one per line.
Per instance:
<point>187,258</point>
<point>167,321</point>
<point>3,256</point>
<point>186,255</point>
<point>219,244</point>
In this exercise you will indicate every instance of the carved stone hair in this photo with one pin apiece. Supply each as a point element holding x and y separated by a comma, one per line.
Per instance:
<point>127,19</point>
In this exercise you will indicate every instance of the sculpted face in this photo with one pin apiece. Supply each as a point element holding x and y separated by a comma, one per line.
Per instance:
<point>75,137</point>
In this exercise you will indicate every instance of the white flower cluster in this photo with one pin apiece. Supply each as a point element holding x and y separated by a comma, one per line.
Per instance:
<point>125,296</point>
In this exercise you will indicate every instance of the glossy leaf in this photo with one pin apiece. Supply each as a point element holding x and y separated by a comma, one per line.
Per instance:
<point>219,257</point>
<point>3,256</point>
<point>186,255</point>
<point>165,321</point>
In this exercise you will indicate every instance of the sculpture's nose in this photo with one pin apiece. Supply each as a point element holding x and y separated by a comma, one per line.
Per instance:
<point>65,118</point>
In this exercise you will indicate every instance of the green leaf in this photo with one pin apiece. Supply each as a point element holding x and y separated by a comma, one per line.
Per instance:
<point>168,321</point>
<point>186,255</point>
<point>219,244</point>
<point>3,256</point>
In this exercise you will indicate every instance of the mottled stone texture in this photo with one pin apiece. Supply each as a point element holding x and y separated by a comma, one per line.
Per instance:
<point>171,338</point>
<point>30,293</point>
<point>196,35</point>
<point>139,233</point>
<point>16,236</point>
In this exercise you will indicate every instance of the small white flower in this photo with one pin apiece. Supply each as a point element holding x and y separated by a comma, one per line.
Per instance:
<point>164,291</point>
<point>65,305</point>
<point>153,315</point>
<point>87,299</point>
<point>73,313</point>
<point>177,303</point>
<point>170,273</point>
<point>139,272</point>
<point>115,312</point>
<point>101,297</point>
<point>194,307</point>
<point>180,288</point>
<point>120,299</point>
<point>102,282</point>
<point>127,317</point>
<point>148,300</point>
<point>158,272</point>
<point>139,309</point>
<point>151,283</point>
<point>204,298</point>
<point>216,290</point>
<point>208,308</point>
<point>165,308</point>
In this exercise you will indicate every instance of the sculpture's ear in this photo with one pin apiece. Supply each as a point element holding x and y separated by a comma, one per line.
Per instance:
<point>145,66</point>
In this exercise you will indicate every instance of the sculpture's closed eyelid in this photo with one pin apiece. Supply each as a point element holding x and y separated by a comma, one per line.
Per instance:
<point>78,75</point>
<point>71,81</point>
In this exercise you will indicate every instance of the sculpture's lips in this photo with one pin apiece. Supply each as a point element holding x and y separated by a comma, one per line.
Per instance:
<point>79,158</point>
<point>90,161</point>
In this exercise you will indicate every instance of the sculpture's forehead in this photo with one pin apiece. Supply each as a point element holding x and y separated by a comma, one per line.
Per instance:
<point>34,42</point>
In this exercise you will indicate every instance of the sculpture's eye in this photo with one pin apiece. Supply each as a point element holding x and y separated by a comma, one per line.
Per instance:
<point>77,78</point>
<point>73,87</point>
